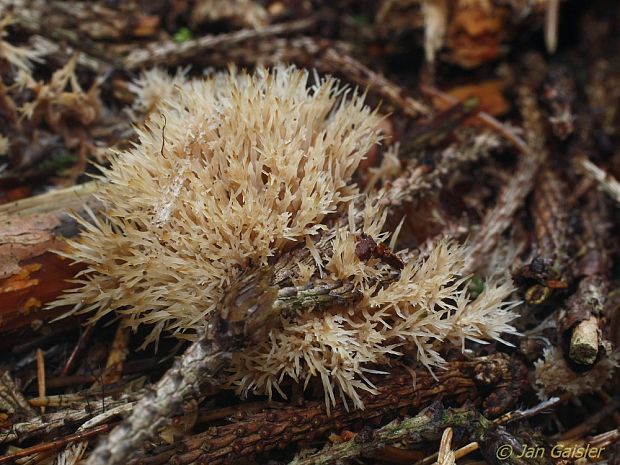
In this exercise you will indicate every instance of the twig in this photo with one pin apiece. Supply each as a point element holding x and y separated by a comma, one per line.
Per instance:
<point>329,57</point>
<point>11,399</point>
<point>485,118</point>
<point>199,364</point>
<point>51,423</point>
<point>446,456</point>
<point>419,180</point>
<point>56,444</point>
<point>497,220</point>
<point>171,53</point>
<point>584,342</point>
<point>519,415</point>
<point>591,422</point>
<point>83,341</point>
<point>582,316</point>
<point>41,376</point>
<point>458,454</point>
<point>53,201</point>
<point>339,63</point>
<point>118,352</point>
<point>427,423</point>
<point>550,266</point>
<point>606,181</point>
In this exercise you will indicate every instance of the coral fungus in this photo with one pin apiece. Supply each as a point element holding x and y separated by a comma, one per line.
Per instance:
<point>234,171</point>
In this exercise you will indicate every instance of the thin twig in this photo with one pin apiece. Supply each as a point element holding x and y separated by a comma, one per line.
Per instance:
<point>606,181</point>
<point>56,444</point>
<point>41,376</point>
<point>499,218</point>
<point>181,383</point>
<point>484,118</point>
<point>171,53</point>
<point>83,341</point>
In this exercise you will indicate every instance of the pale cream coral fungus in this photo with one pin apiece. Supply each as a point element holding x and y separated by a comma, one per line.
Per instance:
<point>62,96</point>
<point>424,307</point>
<point>21,58</point>
<point>152,87</point>
<point>246,167</point>
<point>249,166</point>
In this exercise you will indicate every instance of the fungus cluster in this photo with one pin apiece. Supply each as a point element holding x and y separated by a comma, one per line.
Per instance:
<point>230,173</point>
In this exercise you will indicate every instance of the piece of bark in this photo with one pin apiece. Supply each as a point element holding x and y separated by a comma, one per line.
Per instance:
<point>23,238</point>
<point>31,275</point>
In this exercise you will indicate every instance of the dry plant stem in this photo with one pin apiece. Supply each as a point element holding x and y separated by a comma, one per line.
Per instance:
<point>445,456</point>
<point>458,454</point>
<point>171,53</point>
<point>83,341</point>
<point>552,18</point>
<point>181,383</point>
<point>278,427</point>
<point>605,439</point>
<point>497,220</point>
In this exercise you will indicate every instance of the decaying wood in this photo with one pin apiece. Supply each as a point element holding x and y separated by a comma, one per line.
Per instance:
<point>583,317</point>
<point>39,448</point>
<point>53,423</point>
<point>428,424</point>
<point>397,392</point>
